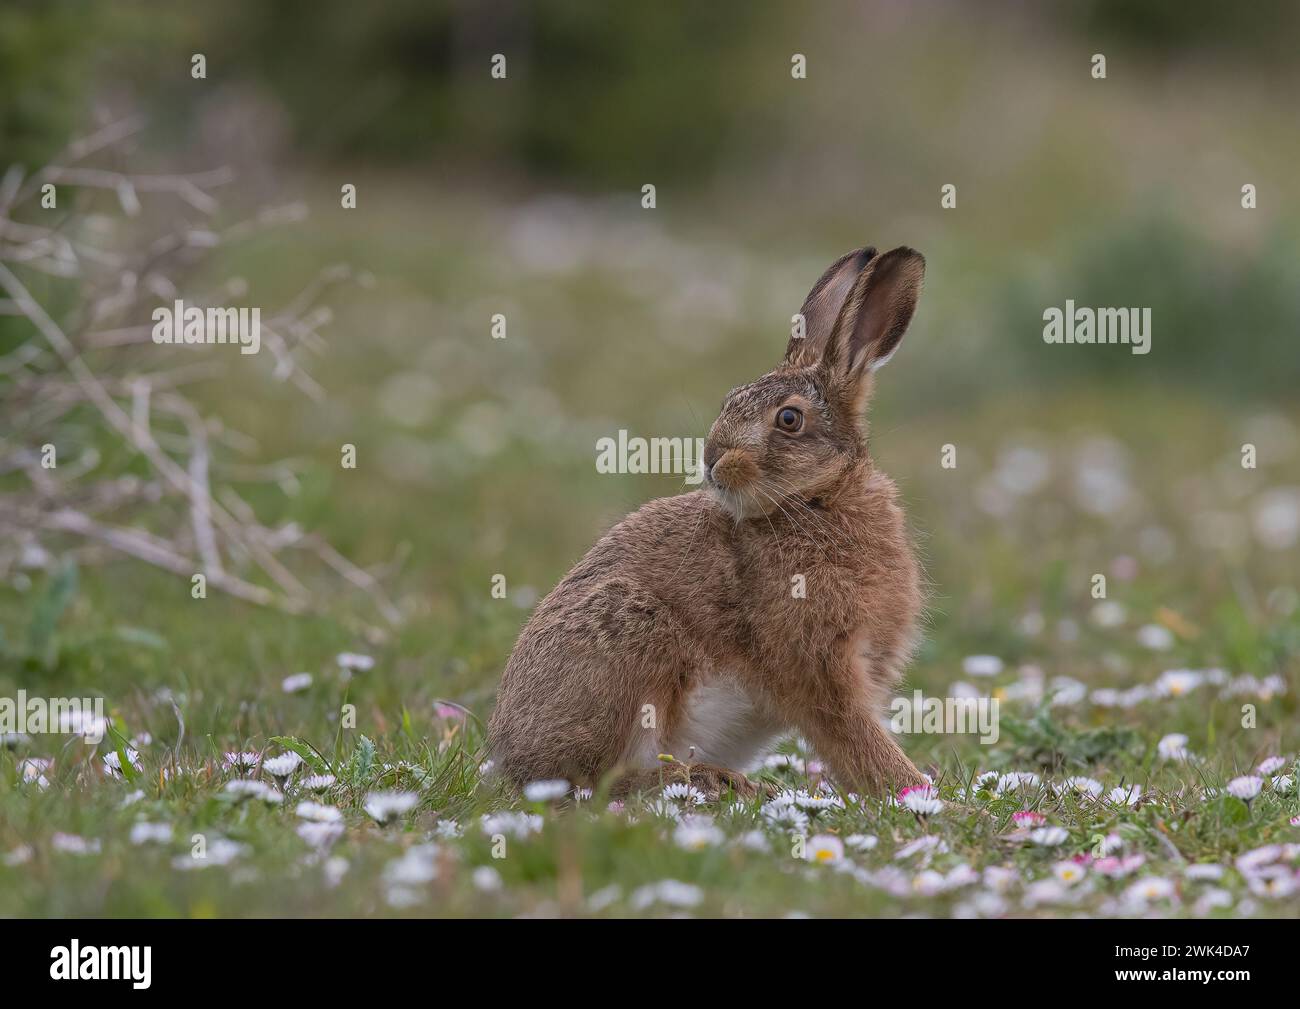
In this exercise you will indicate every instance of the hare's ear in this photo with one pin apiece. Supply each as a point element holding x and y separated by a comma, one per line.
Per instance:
<point>876,313</point>
<point>822,307</point>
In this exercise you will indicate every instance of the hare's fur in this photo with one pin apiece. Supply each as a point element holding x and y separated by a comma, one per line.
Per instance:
<point>784,596</point>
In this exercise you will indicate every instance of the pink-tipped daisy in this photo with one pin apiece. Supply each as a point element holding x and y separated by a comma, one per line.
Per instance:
<point>1028,819</point>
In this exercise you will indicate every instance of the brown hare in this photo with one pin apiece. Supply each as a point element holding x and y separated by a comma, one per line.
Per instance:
<point>781,596</point>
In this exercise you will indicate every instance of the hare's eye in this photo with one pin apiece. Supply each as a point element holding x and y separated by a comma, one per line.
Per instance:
<point>789,419</point>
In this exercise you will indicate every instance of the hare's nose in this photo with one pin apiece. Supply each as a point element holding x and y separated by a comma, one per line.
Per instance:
<point>711,455</point>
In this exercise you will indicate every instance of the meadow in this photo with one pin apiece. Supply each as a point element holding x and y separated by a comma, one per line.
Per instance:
<point>1110,540</point>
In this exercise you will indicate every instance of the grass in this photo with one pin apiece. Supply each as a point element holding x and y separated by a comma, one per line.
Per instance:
<point>475,459</point>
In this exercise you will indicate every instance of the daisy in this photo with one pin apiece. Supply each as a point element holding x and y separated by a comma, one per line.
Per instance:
<point>318,833</point>
<point>1049,837</point>
<point>241,763</point>
<point>72,844</point>
<point>142,833</point>
<point>1173,747</point>
<point>1027,819</point>
<point>295,683</point>
<point>1214,897</point>
<point>1016,779</point>
<point>486,879</point>
<point>18,856</point>
<point>862,842</point>
<point>921,800</point>
<point>1125,795</point>
<point>449,830</point>
<point>1155,637</point>
<point>33,769</point>
<point>318,812</point>
<point>669,891</point>
<point>1116,868</point>
<point>1148,889</point>
<point>1282,783</point>
<point>282,766</point>
<point>218,851</point>
<point>1069,872</point>
<point>335,869</point>
<point>754,840</point>
<point>1178,682</point>
<point>1207,870</point>
<point>353,662</point>
<point>982,665</point>
<point>697,833</point>
<point>1270,765</point>
<point>317,782</point>
<point>113,762</point>
<point>249,788</point>
<point>1088,786</point>
<point>1294,821</point>
<point>384,807</point>
<point>818,802</point>
<point>1109,844</point>
<point>1273,882</point>
<point>545,791</point>
<point>683,792</point>
<point>1108,614</point>
<point>509,824</point>
<point>1246,787</point>
<point>1045,891</point>
<point>929,845</point>
<point>824,848</point>
<point>416,866</point>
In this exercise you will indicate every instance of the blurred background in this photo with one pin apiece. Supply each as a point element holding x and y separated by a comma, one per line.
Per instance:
<point>522,196</point>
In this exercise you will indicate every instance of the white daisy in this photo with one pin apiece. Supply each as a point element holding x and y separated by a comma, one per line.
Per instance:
<point>295,683</point>
<point>1049,837</point>
<point>142,833</point>
<point>1155,637</point>
<point>353,662</point>
<point>1173,747</point>
<point>511,824</point>
<point>545,791</point>
<point>251,788</point>
<point>1270,765</point>
<point>697,833</point>
<point>486,879</point>
<point>1069,872</point>
<point>317,782</point>
<point>384,807</point>
<point>113,761</point>
<point>1246,787</point>
<point>318,812</point>
<point>241,763</point>
<point>824,848</point>
<point>982,665</point>
<point>1125,795</point>
<point>683,792</point>
<point>283,765</point>
<point>319,834</point>
<point>669,891</point>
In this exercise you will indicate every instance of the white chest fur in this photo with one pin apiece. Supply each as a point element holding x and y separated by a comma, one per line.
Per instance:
<point>725,725</point>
